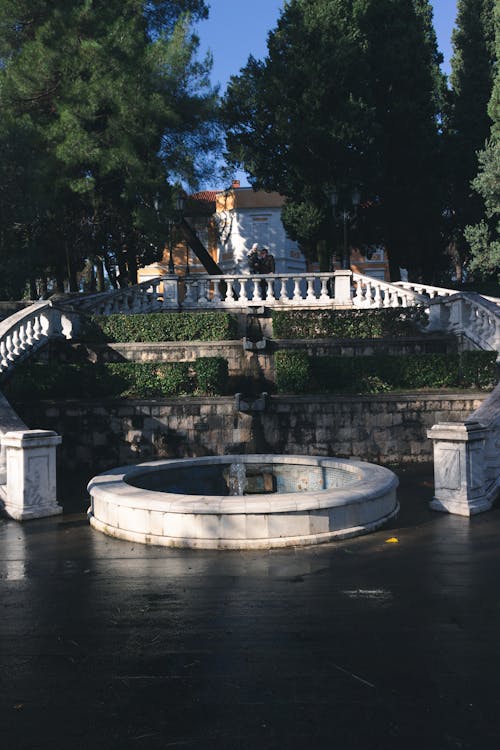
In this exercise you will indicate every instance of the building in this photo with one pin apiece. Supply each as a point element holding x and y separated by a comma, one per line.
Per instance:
<point>228,222</point>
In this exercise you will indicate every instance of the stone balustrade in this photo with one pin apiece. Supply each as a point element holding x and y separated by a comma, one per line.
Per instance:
<point>149,296</point>
<point>28,457</point>
<point>425,290</point>
<point>24,332</point>
<point>466,454</point>
<point>466,463</point>
<point>470,316</point>
<point>473,318</point>
<point>372,293</point>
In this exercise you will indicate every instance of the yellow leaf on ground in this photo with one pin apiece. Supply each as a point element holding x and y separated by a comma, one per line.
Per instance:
<point>392,540</point>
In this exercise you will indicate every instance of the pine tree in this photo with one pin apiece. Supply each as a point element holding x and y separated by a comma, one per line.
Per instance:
<point>120,111</point>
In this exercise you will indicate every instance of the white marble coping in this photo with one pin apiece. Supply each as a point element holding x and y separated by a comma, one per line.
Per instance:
<point>373,482</point>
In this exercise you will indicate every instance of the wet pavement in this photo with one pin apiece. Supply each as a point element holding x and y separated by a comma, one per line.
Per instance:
<point>364,643</point>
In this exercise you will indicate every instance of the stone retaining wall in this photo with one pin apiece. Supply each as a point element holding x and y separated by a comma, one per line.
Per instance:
<point>389,428</point>
<point>258,364</point>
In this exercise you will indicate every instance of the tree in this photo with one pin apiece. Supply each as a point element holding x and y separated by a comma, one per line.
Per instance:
<point>348,96</point>
<point>299,121</point>
<point>407,90</point>
<point>484,237</point>
<point>120,111</point>
<point>469,124</point>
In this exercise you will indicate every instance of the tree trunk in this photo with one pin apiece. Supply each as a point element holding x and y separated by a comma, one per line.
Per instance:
<point>99,273</point>
<point>131,266</point>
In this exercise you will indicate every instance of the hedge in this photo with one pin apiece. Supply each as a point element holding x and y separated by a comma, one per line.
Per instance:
<point>292,371</point>
<point>155,327</point>
<point>359,324</point>
<point>298,373</point>
<point>208,375</point>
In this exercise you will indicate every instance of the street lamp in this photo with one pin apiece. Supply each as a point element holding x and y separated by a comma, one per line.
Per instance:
<point>180,203</point>
<point>171,223</point>
<point>345,214</point>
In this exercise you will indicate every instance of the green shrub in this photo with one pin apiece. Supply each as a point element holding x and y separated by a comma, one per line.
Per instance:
<point>211,375</point>
<point>154,327</point>
<point>292,371</point>
<point>478,369</point>
<point>118,380</point>
<point>153,380</point>
<point>382,373</point>
<point>358,324</point>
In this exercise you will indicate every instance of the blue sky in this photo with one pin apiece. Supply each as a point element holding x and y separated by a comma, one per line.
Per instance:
<point>238,28</point>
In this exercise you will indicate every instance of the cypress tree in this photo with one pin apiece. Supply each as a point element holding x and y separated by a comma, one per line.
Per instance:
<point>349,95</point>
<point>469,124</point>
<point>484,237</point>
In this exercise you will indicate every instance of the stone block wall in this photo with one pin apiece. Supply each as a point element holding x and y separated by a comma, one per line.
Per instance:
<point>388,428</point>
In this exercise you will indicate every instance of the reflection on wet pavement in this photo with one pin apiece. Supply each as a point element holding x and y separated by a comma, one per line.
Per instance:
<point>354,644</point>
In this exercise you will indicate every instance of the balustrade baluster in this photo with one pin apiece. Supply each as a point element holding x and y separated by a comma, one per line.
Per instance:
<point>368,294</point>
<point>37,329</point>
<point>230,293</point>
<point>256,295</point>
<point>15,343</point>
<point>377,300</point>
<point>22,337</point>
<point>310,296</point>
<point>297,294</point>
<point>190,298</point>
<point>9,348</point>
<point>269,290</point>
<point>284,297</point>
<point>216,298</point>
<point>3,356</point>
<point>29,333</point>
<point>243,290</point>
<point>324,296</point>
<point>203,292</point>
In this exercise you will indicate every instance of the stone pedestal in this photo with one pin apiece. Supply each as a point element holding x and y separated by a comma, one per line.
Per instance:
<point>30,491</point>
<point>343,295</point>
<point>459,468</point>
<point>170,290</point>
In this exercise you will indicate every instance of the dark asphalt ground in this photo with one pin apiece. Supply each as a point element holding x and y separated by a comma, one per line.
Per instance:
<point>356,644</point>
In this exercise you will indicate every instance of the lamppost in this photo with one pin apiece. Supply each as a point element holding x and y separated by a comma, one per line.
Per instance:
<point>171,223</point>
<point>180,203</point>
<point>346,213</point>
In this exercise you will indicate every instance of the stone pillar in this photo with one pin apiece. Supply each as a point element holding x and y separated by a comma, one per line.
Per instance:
<point>170,290</point>
<point>31,474</point>
<point>439,315</point>
<point>460,484</point>
<point>343,294</point>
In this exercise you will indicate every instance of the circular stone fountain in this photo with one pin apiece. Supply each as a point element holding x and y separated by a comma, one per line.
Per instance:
<point>242,502</point>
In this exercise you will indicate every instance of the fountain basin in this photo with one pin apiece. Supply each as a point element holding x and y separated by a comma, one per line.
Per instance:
<point>312,500</point>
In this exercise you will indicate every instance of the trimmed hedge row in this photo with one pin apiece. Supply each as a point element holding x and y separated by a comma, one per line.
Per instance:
<point>296,372</point>
<point>205,376</point>
<point>358,324</point>
<point>155,327</point>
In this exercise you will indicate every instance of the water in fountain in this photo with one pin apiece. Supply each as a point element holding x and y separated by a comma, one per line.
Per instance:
<point>236,479</point>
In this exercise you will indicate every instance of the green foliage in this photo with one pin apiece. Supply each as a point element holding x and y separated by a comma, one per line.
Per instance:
<point>345,87</point>
<point>472,74</point>
<point>152,327</point>
<point>484,237</point>
<point>358,324</point>
<point>113,109</point>
<point>383,373</point>
<point>118,380</point>
<point>211,375</point>
<point>292,372</point>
